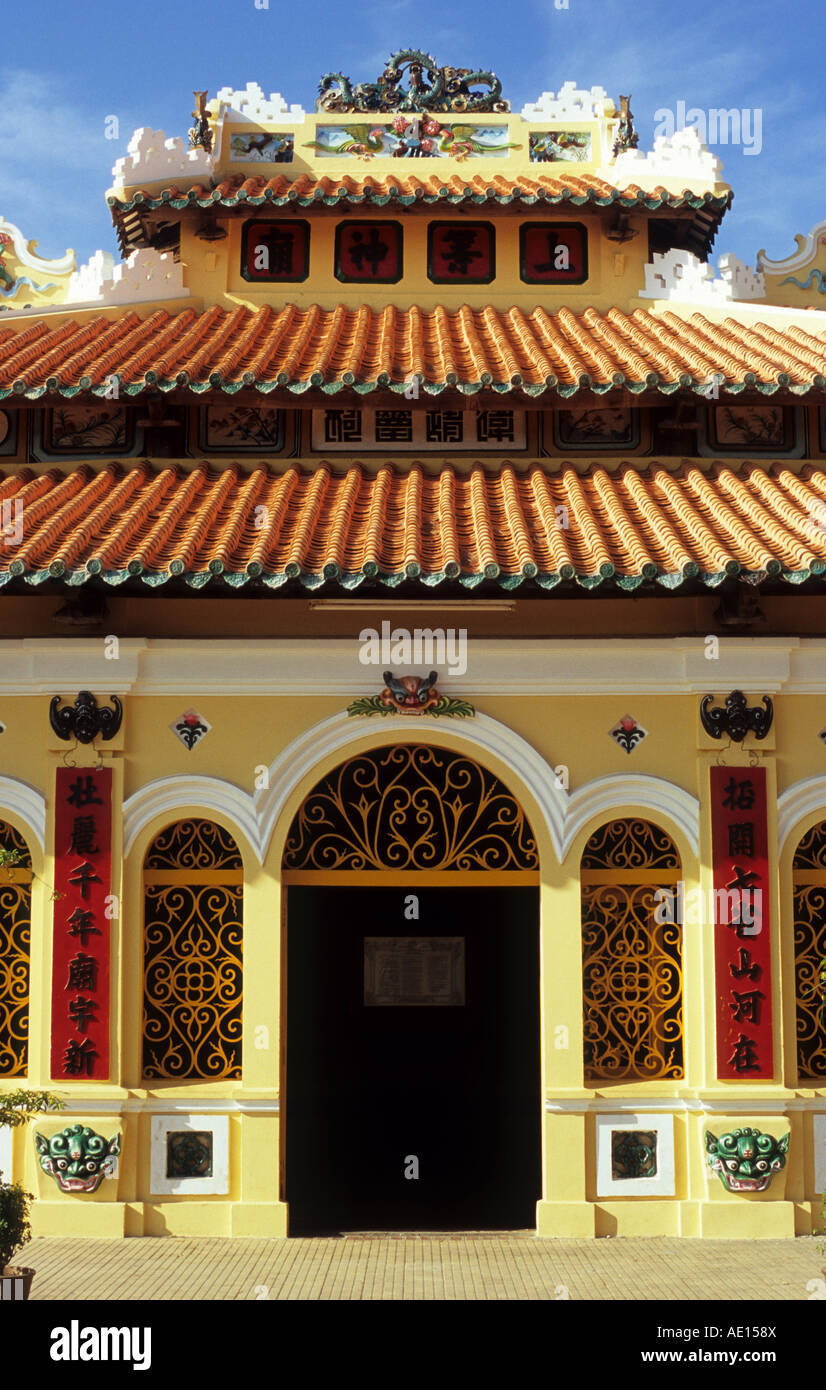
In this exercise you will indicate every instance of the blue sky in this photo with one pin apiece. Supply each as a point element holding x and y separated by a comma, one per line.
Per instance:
<point>141,63</point>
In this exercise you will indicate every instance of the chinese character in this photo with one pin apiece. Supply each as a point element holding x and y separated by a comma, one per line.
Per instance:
<point>443,426</point>
<point>745,968</point>
<point>83,834</point>
<point>394,426</point>
<point>80,924</point>
<point>739,795</point>
<point>559,256</point>
<point>280,247</point>
<point>494,425</point>
<point>741,838</point>
<point>460,240</point>
<point>747,1007</point>
<point>342,427</point>
<point>82,968</point>
<point>744,1056</point>
<point>81,1011</point>
<point>80,1057</point>
<point>84,874</point>
<point>743,878</point>
<point>82,793</point>
<point>372,250</point>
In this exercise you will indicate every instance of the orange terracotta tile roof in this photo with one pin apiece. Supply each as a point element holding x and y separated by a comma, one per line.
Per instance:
<point>404,189</point>
<point>356,351</point>
<point>625,528</point>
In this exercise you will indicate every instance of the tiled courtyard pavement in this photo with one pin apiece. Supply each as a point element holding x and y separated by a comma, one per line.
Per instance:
<point>510,1266</point>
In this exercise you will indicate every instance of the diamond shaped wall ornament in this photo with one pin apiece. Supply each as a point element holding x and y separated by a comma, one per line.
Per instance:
<point>628,733</point>
<point>822,736</point>
<point>190,728</point>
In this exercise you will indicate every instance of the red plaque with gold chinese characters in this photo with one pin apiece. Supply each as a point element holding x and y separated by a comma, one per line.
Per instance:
<point>742,937</point>
<point>80,959</point>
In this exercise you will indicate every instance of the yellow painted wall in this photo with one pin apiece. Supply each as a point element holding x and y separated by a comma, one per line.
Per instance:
<point>571,730</point>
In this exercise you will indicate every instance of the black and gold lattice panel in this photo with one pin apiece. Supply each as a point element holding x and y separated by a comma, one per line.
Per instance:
<point>193,955</point>
<point>410,806</point>
<point>810,953</point>
<point>15,952</point>
<point>632,974</point>
<point>194,844</point>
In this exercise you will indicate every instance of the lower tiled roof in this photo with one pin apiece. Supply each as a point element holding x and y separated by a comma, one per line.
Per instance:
<point>404,188</point>
<point>360,350</point>
<point>555,528</point>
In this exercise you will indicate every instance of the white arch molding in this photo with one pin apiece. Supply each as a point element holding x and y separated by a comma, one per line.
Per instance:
<point>256,815</point>
<point>28,804</point>
<point>795,804</point>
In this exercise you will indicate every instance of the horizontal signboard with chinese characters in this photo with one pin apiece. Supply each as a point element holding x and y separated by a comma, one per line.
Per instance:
<point>82,926</point>
<point>742,937</point>
<point>354,429</point>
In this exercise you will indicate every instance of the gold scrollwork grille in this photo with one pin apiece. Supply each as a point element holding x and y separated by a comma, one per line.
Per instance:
<point>809,877</point>
<point>410,806</point>
<point>192,954</point>
<point>15,952</point>
<point>632,969</point>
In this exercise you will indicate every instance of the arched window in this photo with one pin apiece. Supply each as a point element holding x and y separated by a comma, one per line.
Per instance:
<point>809,877</point>
<point>15,951</point>
<point>410,806</point>
<point>192,954</point>
<point>632,969</point>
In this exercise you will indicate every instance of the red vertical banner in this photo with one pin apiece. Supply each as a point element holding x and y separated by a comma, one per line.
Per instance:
<point>741,914</point>
<point>80,957</point>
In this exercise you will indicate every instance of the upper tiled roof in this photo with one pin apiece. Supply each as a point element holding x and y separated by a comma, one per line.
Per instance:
<point>359,350</point>
<point>405,189</point>
<point>555,529</point>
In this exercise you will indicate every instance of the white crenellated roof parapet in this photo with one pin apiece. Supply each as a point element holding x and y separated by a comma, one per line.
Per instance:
<point>572,103</point>
<point>87,282</point>
<point>145,274</point>
<point>153,156</point>
<point>680,275</point>
<point>745,281</point>
<point>682,156</point>
<point>249,104</point>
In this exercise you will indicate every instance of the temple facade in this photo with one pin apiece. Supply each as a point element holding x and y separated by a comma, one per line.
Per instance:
<point>413,682</point>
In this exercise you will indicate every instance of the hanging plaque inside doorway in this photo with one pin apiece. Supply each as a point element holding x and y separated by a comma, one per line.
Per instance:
<point>414,970</point>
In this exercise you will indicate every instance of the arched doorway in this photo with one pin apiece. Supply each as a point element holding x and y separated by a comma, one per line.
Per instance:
<point>413,1057</point>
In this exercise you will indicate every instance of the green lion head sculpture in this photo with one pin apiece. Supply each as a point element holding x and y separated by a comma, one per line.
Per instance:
<point>746,1160</point>
<point>77,1158</point>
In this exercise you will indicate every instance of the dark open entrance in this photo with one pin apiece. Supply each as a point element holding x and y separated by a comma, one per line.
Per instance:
<point>376,1080</point>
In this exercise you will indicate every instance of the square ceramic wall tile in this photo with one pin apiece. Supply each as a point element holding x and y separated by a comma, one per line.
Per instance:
<point>5,1154</point>
<point>635,1156</point>
<point>820,1152</point>
<point>190,1155</point>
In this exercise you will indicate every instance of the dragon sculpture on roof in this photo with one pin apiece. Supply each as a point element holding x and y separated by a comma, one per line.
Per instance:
<point>430,88</point>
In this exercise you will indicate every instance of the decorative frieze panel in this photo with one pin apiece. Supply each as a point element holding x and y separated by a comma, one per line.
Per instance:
<point>568,146</point>
<point>749,431</point>
<point>354,429</point>
<point>413,137</point>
